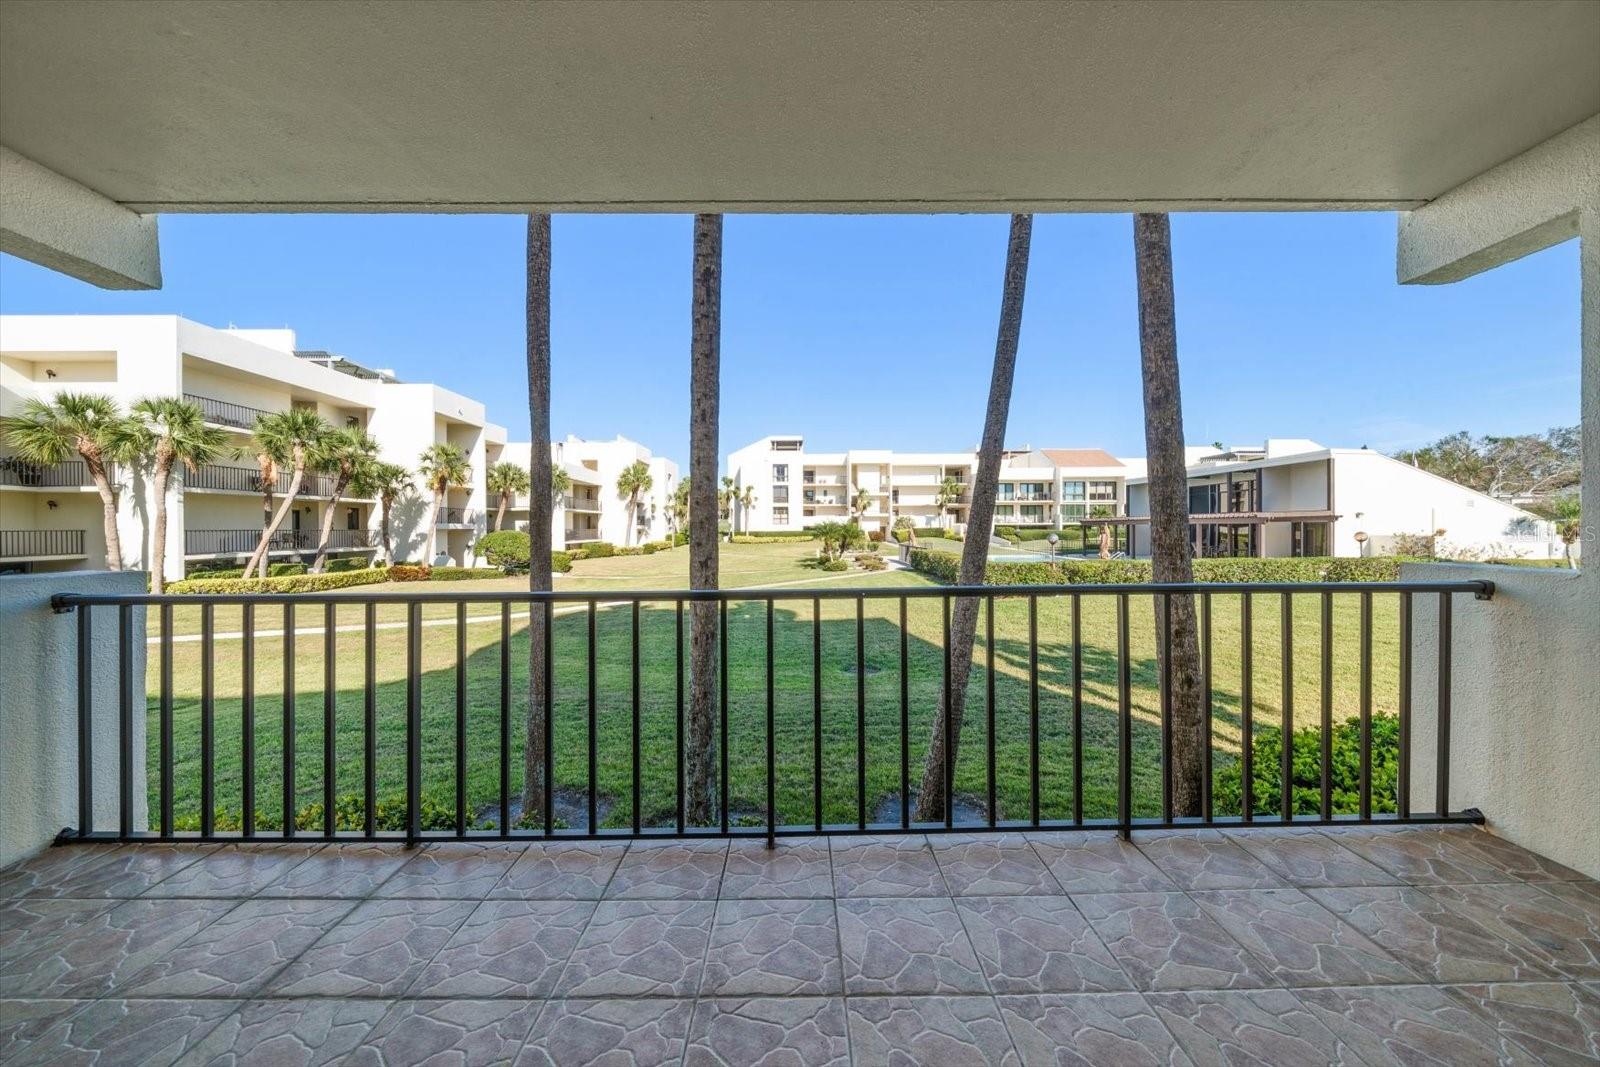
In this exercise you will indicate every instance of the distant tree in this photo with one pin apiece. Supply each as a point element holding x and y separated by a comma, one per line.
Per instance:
<point>633,483</point>
<point>387,482</point>
<point>747,502</point>
<point>1568,514</point>
<point>344,453</point>
<point>505,480</point>
<point>166,431</point>
<point>860,503</point>
<point>726,497</point>
<point>678,512</point>
<point>837,538</point>
<point>947,496</point>
<point>1505,466</point>
<point>442,466</point>
<point>290,438</point>
<point>89,424</point>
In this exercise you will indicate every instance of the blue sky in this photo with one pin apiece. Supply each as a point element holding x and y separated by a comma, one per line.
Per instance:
<point>878,331</point>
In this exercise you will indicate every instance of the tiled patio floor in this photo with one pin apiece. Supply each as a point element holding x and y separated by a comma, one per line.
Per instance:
<point>1411,946</point>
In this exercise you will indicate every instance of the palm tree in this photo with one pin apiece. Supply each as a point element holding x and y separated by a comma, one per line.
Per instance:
<point>747,503</point>
<point>705,357</point>
<point>1568,514</point>
<point>388,482</point>
<point>1167,484</point>
<point>504,480</point>
<point>633,482</point>
<point>290,438</point>
<point>860,503</point>
<point>546,483</point>
<point>726,497</point>
<point>678,511</point>
<point>949,492</point>
<point>931,799</point>
<point>168,431</point>
<point>442,466</point>
<point>344,453</point>
<point>89,424</point>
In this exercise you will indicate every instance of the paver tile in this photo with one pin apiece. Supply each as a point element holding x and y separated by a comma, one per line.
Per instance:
<point>807,1031</point>
<point>640,948</point>
<point>907,945</point>
<point>633,1032</point>
<point>1038,945</point>
<point>773,947</point>
<point>948,1031</point>
<point>506,948</point>
<point>1166,941</point>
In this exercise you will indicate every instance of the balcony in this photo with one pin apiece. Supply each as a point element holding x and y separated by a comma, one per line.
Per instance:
<point>20,474</point>
<point>1059,902</point>
<point>456,518</point>
<point>221,478</point>
<point>243,542</point>
<point>226,413</point>
<point>581,503</point>
<point>41,544</point>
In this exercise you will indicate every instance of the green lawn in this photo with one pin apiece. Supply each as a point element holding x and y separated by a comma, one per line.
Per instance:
<point>744,566</point>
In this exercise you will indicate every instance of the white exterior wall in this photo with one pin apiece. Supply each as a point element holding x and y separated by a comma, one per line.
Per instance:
<point>133,356</point>
<point>594,467</point>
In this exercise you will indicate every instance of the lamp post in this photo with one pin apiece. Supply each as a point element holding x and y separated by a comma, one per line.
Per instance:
<point>1054,538</point>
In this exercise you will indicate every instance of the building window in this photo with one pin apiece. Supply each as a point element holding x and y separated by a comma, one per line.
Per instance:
<point>1003,512</point>
<point>1074,511</point>
<point>1309,539</point>
<point>809,476</point>
<point>1008,491</point>
<point>780,494</point>
<point>780,472</point>
<point>1032,513</point>
<point>786,445</point>
<point>894,496</point>
<point>780,516</point>
<point>1103,491</point>
<point>810,512</point>
<point>352,518</point>
<point>1071,490</point>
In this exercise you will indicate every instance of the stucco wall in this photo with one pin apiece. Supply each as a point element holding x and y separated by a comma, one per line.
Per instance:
<point>39,708</point>
<point>1525,697</point>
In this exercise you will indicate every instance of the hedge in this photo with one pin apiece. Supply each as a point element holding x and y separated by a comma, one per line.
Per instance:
<point>771,539</point>
<point>561,562</point>
<point>288,583</point>
<point>1305,778</point>
<point>274,570</point>
<point>775,535</point>
<point>349,813</point>
<point>455,574</point>
<point>507,549</point>
<point>946,566</point>
<point>598,550</point>
<point>410,572</point>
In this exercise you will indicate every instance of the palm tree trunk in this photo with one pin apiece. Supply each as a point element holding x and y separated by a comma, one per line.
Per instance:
<point>158,549</point>
<point>432,547</point>
<point>1168,486</point>
<point>259,556</point>
<point>108,510</point>
<point>705,354</point>
<point>931,798</point>
<point>264,549</point>
<point>388,550</point>
<point>326,534</point>
<point>500,512</point>
<point>541,490</point>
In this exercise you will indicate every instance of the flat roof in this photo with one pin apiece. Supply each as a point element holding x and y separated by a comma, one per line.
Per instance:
<point>734,105</point>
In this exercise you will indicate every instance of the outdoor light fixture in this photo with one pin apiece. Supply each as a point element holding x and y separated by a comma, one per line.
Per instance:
<point>51,504</point>
<point>1053,538</point>
<point>1361,539</point>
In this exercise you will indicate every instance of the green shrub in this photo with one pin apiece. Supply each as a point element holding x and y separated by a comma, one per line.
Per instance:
<point>870,561</point>
<point>680,538</point>
<point>1306,776</point>
<point>454,574</point>
<point>771,539</point>
<point>286,583</point>
<point>629,550</point>
<point>599,550</point>
<point>652,547</point>
<point>944,567</point>
<point>779,535</point>
<point>835,565</point>
<point>410,572</point>
<point>279,570</point>
<point>349,813</point>
<point>348,563</point>
<point>560,562</point>
<point>507,549</point>
<point>1034,533</point>
<point>204,571</point>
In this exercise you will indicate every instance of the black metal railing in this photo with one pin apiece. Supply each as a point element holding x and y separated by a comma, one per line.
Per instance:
<point>68,474</point>
<point>1080,773</point>
<point>222,477</point>
<point>26,544</point>
<point>455,517</point>
<point>244,542</point>
<point>224,413</point>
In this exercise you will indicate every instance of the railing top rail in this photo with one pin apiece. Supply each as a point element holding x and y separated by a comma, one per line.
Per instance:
<point>1480,589</point>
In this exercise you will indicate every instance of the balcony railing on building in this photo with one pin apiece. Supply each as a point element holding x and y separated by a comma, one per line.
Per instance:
<point>70,474</point>
<point>1095,753</point>
<point>40,544</point>
<point>456,517</point>
<point>222,478</point>
<point>244,542</point>
<point>226,413</point>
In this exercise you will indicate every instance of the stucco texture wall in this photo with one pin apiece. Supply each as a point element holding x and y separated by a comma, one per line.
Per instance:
<point>39,709</point>
<point>1525,704</point>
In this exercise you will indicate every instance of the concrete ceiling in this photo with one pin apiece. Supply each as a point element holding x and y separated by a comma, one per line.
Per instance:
<point>203,106</point>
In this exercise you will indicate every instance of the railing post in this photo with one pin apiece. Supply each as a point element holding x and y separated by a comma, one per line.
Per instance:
<point>125,721</point>
<point>413,723</point>
<point>1442,775</point>
<point>1124,725</point>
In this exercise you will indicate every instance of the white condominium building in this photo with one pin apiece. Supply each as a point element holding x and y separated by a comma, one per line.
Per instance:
<point>792,488</point>
<point>50,514</point>
<point>1293,497</point>
<point>593,508</point>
